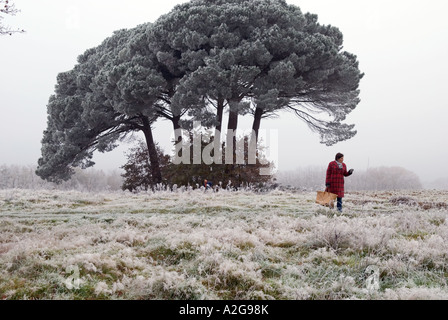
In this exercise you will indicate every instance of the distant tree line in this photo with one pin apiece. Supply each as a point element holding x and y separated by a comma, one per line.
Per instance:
<point>376,179</point>
<point>91,180</point>
<point>305,178</point>
<point>440,183</point>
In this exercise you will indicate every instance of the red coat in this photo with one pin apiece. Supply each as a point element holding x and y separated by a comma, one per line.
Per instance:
<point>335,178</point>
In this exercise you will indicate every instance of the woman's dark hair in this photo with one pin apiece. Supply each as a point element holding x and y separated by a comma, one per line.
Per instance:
<point>338,156</point>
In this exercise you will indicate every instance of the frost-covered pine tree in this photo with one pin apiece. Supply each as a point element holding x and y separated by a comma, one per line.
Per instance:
<point>205,55</point>
<point>105,97</point>
<point>260,57</point>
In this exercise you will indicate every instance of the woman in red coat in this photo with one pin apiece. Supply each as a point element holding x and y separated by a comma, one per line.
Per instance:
<point>334,182</point>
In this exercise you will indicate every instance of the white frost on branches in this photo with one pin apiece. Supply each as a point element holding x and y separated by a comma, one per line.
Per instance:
<point>7,8</point>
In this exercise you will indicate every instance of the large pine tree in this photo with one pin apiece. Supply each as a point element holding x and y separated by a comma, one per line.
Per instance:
<point>194,63</point>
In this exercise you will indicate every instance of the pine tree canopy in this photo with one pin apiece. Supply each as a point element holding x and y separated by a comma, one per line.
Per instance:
<point>204,57</point>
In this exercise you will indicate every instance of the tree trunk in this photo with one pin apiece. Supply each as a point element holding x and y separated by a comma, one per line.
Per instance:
<point>257,121</point>
<point>253,143</point>
<point>219,114</point>
<point>152,151</point>
<point>217,153</point>
<point>231,136</point>
<point>232,126</point>
<point>178,143</point>
<point>176,124</point>
<point>218,128</point>
<point>233,120</point>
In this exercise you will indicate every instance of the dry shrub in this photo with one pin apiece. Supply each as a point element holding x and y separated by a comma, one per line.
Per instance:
<point>402,200</point>
<point>425,205</point>
<point>433,205</point>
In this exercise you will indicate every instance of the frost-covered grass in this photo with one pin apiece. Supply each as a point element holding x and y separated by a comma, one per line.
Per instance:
<point>225,245</point>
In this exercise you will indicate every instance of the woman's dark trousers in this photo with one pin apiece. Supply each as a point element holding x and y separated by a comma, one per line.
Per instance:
<point>339,200</point>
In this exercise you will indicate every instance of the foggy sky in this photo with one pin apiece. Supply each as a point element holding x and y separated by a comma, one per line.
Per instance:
<point>402,47</point>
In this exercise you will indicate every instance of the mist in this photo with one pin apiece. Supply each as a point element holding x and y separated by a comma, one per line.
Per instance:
<point>401,46</point>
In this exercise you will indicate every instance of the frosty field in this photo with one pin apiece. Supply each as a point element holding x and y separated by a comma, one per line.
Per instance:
<point>225,245</point>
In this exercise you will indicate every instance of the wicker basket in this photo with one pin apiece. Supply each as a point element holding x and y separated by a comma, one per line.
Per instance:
<point>326,198</point>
